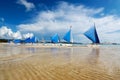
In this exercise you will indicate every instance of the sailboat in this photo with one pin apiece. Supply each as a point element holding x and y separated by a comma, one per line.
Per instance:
<point>68,36</point>
<point>92,35</point>
<point>30,40</point>
<point>16,41</point>
<point>55,38</point>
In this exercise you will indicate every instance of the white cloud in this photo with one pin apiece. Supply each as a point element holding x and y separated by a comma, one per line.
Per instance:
<point>28,5</point>
<point>28,35</point>
<point>64,16</point>
<point>6,33</point>
<point>17,35</point>
<point>80,17</point>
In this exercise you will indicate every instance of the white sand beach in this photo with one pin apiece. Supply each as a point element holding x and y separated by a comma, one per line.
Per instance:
<point>38,62</point>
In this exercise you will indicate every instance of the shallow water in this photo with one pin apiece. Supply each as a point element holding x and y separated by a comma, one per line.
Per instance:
<point>34,62</point>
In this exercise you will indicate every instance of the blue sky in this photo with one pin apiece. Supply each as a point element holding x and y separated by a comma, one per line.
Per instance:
<point>15,14</point>
<point>43,17</point>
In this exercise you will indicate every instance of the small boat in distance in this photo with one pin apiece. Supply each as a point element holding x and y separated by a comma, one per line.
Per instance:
<point>68,36</point>
<point>92,35</point>
<point>30,40</point>
<point>55,38</point>
<point>16,41</point>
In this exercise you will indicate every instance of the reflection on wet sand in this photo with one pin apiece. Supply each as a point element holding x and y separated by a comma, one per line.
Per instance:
<point>58,63</point>
<point>93,57</point>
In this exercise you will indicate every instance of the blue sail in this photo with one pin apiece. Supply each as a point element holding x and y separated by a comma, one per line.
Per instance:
<point>55,38</point>
<point>30,40</point>
<point>33,39</point>
<point>92,35</point>
<point>27,40</point>
<point>17,41</point>
<point>68,37</point>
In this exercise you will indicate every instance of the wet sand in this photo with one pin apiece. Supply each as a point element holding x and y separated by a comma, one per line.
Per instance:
<point>26,62</point>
